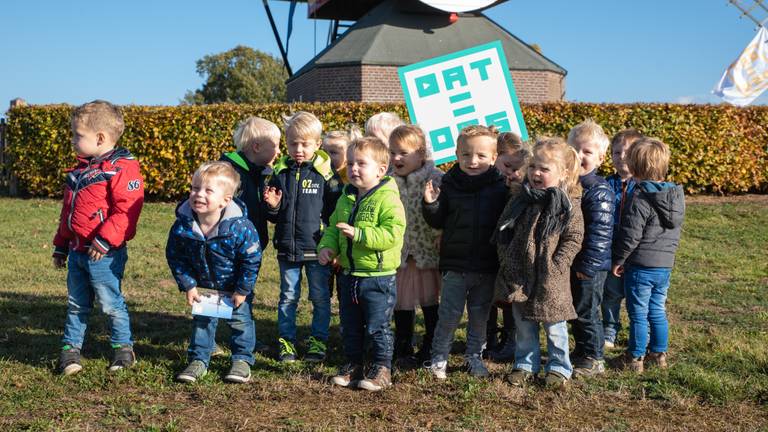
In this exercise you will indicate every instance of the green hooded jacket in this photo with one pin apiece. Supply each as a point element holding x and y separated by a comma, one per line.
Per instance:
<point>379,221</point>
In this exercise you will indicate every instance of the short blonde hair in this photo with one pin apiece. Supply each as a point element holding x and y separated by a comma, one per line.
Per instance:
<point>382,124</point>
<point>255,129</point>
<point>100,115</point>
<point>648,159</point>
<point>410,136</point>
<point>371,146</point>
<point>589,131</point>
<point>555,149</point>
<point>347,136</point>
<point>510,143</point>
<point>304,125</point>
<point>222,172</point>
<point>476,131</point>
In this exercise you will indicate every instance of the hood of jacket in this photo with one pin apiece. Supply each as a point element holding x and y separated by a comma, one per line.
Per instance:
<point>321,163</point>
<point>667,199</point>
<point>462,181</point>
<point>234,210</point>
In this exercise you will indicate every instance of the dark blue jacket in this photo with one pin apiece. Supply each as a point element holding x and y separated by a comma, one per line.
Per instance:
<point>227,260</point>
<point>253,179</point>
<point>622,190</point>
<point>597,204</point>
<point>310,192</point>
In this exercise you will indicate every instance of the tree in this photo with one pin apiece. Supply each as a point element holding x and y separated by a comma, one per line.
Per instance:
<point>240,75</point>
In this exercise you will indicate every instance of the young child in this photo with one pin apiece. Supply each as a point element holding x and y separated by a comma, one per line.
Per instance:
<point>213,245</point>
<point>93,231</point>
<point>418,280</point>
<point>335,143</point>
<point>301,197</point>
<point>466,207</point>
<point>381,125</point>
<point>591,265</point>
<point>512,160</point>
<point>644,252</point>
<point>622,184</point>
<point>538,236</point>
<point>366,235</point>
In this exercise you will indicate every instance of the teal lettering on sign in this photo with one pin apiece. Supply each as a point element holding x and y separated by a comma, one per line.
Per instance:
<point>441,139</point>
<point>427,85</point>
<point>464,124</point>
<point>481,66</point>
<point>500,120</point>
<point>454,74</point>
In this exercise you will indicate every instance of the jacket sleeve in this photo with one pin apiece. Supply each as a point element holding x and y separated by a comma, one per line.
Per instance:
<point>598,203</point>
<point>248,258</point>
<point>390,228</point>
<point>570,241</point>
<point>63,235</point>
<point>126,191</point>
<point>436,212</point>
<point>179,263</point>
<point>633,221</point>
<point>271,213</point>
<point>330,239</point>
<point>331,195</point>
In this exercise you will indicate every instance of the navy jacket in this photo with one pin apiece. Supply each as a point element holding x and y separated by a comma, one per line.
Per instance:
<point>227,260</point>
<point>310,192</point>
<point>597,205</point>
<point>467,210</point>
<point>253,179</point>
<point>622,190</point>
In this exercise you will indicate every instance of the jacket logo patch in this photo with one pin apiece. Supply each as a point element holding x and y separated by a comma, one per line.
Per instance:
<point>134,184</point>
<point>309,187</point>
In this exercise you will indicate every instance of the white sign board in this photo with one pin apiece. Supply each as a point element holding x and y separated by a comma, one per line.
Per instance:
<point>447,93</point>
<point>458,5</point>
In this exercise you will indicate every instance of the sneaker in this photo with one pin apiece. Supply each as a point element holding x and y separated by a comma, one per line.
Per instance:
<point>658,360</point>
<point>218,351</point>
<point>475,366</point>
<point>287,351</point>
<point>193,372</point>
<point>349,375</point>
<point>627,362</point>
<point>588,367</point>
<point>378,378</point>
<point>506,353</point>
<point>608,345</point>
<point>555,380</point>
<point>520,377</point>
<point>316,351</point>
<point>239,373</point>
<point>123,358</point>
<point>439,369</point>
<point>69,360</point>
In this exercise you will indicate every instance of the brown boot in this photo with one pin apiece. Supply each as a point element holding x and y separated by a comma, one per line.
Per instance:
<point>349,375</point>
<point>627,362</point>
<point>379,378</point>
<point>658,360</point>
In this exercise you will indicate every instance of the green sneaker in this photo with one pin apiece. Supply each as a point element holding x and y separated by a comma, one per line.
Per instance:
<point>316,350</point>
<point>287,351</point>
<point>193,372</point>
<point>239,373</point>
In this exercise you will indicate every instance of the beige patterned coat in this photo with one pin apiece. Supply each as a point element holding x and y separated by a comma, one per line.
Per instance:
<point>420,238</point>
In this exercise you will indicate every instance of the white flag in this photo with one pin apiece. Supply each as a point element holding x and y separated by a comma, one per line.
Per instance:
<point>747,77</point>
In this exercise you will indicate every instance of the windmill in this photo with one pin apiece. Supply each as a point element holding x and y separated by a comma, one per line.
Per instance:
<point>754,10</point>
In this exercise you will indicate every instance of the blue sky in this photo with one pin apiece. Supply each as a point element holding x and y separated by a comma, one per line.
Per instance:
<point>144,52</point>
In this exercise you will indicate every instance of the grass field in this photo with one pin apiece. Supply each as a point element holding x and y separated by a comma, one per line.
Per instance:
<point>718,379</point>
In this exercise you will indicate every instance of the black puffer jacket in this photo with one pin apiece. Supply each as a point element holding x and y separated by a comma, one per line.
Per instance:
<point>467,211</point>
<point>253,179</point>
<point>650,225</point>
<point>597,205</point>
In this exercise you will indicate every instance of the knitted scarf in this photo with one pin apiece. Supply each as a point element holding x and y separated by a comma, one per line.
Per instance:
<point>554,217</point>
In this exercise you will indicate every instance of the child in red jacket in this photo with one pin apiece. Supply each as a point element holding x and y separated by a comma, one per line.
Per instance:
<point>103,197</point>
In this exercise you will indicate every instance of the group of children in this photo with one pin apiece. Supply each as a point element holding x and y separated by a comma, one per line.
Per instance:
<point>532,230</point>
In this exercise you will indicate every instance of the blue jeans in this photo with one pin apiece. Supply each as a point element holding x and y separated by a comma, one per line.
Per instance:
<point>476,291</point>
<point>613,293</point>
<point>100,279</point>
<point>646,292</point>
<point>318,277</point>
<point>528,350</point>
<point>587,328</point>
<point>242,340</point>
<point>365,306</point>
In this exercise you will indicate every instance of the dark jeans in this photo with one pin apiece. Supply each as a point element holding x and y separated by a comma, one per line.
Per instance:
<point>587,328</point>
<point>365,306</point>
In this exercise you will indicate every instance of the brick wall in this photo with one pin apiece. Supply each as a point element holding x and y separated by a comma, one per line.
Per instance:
<point>369,83</point>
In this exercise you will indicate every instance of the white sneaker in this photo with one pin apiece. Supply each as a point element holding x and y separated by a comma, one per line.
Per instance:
<point>608,345</point>
<point>439,369</point>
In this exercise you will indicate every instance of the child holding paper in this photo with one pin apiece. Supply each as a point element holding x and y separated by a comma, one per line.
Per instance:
<point>213,245</point>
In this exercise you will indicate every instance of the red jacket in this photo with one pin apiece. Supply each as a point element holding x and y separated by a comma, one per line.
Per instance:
<point>103,197</point>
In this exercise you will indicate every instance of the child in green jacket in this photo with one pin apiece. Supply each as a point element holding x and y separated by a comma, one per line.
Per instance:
<point>365,235</point>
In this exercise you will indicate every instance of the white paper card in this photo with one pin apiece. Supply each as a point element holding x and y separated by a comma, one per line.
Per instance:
<point>214,305</point>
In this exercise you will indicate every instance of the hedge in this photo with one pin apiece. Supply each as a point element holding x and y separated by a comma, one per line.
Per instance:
<point>715,148</point>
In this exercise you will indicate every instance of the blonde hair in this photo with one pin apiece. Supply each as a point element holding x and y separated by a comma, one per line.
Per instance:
<point>222,172</point>
<point>648,159</point>
<point>476,131</point>
<point>304,125</point>
<point>100,115</point>
<point>382,124</point>
<point>510,143</point>
<point>410,136</point>
<point>347,136</point>
<point>371,146</point>
<point>626,136</point>
<point>254,129</point>
<point>589,131</point>
<point>555,149</point>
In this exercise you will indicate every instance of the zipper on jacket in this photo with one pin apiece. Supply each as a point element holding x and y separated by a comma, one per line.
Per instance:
<point>209,264</point>
<point>100,214</point>
<point>380,258</point>
<point>475,226</point>
<point>295,210</point>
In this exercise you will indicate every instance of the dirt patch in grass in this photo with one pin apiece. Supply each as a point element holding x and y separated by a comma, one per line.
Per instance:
<point>729,199</point>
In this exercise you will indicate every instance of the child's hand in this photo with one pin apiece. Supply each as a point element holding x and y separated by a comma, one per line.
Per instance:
<point>326,256</point>
<point>94,254</point>
<point>237,299</point>
<point>617,270</point>
<point>431,193</point>
<point>272,196</point>
<point>59,261</point>
<point>346,229</point>
<point>192,296</point>
<point>582,276</point>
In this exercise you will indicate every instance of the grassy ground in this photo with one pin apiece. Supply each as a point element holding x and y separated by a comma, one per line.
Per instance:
<point>719,351</point>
